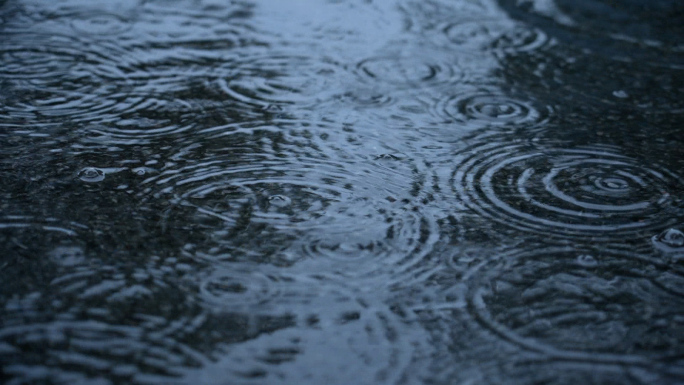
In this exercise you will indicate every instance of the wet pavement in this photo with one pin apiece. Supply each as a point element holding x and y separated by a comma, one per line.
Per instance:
<point>342,192</point>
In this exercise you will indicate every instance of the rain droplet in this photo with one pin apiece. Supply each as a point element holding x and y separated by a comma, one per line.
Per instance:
<point>587,260</point>
<point>670,239</point>
<point>91,174</point>
<point>279,201</point>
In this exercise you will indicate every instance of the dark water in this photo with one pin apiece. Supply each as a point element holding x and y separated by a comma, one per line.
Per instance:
<point>342,192</point>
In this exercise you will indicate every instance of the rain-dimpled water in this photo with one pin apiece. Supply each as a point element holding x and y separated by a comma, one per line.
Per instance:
<point>342,192</point>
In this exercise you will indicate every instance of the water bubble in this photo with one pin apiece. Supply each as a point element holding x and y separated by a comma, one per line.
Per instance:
<point>669,240</point>
<point>591,192</point>
<point>279,201</point>
<point>68,256</point>
<point>587,260</point>
<point>91,175</point>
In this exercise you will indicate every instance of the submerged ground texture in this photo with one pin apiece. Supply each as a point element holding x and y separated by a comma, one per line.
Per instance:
<point>342,192</point>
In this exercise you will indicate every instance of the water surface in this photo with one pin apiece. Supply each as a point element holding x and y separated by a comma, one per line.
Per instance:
<point>338,192</point>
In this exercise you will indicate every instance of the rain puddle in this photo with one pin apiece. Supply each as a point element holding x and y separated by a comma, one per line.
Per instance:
<point>342,192</point>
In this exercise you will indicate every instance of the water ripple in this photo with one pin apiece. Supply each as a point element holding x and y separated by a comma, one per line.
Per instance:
<point>496,35</point>
<point>409,71</point>
<point>57,76</point>
<point>262,80</point>
<point>98,22</point>
<point>377,343</point>
<point>627,31</point>
<point>374,241</point>
<point>482,109</point>
<point>615,311</point>
<point>590,192</point>
<point>103,321</point>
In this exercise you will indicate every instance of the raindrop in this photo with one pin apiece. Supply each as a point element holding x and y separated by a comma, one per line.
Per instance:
<point>91,174</point>
<point>67,256</point>
<point>669,240</point>
<point>587,260</point>
<point>279,201</point>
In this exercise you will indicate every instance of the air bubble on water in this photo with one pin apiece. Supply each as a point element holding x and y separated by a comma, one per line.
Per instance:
<point>279,201</point>
<point>141,171</point>
<point>670,240</point>
<point>620,94</point>
<point>91,175</point>
<point>587,260</point>
<point>67,256</point>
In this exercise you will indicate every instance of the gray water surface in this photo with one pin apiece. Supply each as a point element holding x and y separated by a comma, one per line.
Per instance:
<point>342,192</point>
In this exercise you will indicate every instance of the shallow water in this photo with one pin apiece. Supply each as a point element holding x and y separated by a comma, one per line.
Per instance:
<point>352,191</point>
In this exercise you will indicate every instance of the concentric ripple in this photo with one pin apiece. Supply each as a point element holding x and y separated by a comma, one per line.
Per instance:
<point>57,76</point>
<point>262,80</point>
<point>590,192</point>
<point>250,288</point>
<point>98,23</point>
<point>377,343</point>
<point>627,29</point>
<point>408,71</point>
<point>26,223</point>
<point>615,311</point>
<point>97,321</point>
<point>671,242</point>
<point>260,192</point>
<point>374,241</point>
<point>497,35</point>
<point>482,109</point>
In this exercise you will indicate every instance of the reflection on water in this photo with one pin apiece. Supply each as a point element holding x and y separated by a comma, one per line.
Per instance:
<point>341,192</point>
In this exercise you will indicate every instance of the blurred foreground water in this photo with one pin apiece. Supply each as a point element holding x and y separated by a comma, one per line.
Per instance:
<point>342,192</point>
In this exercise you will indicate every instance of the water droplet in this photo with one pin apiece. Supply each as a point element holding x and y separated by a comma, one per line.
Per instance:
<point>91,174</point>
<point>670,240</point>
<point>67,256</point>
<point>279,201</point>
<point>587,260</point>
